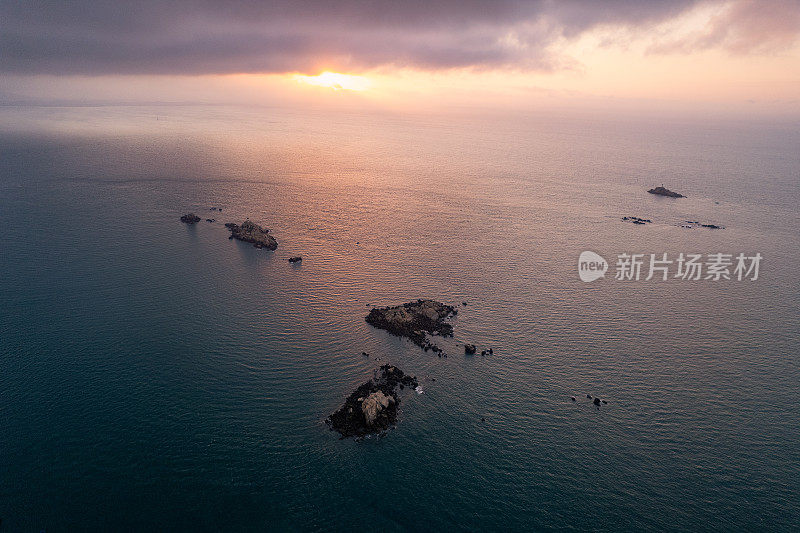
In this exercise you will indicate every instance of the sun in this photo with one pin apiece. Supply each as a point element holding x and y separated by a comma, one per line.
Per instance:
<point>336,81</point>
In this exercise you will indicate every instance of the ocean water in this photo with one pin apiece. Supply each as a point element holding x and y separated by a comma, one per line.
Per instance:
<point>160,377</point>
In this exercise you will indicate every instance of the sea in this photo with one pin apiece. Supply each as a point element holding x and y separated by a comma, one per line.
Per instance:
<point>158,376</point>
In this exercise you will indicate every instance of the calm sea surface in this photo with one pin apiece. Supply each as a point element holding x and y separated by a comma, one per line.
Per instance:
<point>159,377</point>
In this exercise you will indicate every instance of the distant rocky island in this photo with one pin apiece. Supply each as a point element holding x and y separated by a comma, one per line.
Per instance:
<point>697,224</point>
<point>413,320</point>
<point>372,407</point>
<point>687,224</point>
<point>637,220</point>
<point>663,191</point>
<point>253,233</point>
<point>190,218</point>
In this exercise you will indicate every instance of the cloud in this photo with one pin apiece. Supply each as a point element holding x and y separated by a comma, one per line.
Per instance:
<point>742,27</point>
<point>99,37</point>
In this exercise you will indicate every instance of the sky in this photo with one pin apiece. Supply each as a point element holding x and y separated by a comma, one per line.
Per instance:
<point>502,54</point>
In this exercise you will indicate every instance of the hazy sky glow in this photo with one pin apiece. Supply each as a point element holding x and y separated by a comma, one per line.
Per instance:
<point>734,52</point>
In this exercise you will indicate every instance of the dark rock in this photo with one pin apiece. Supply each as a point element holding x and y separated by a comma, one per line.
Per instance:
<point>190,218</point>
<point>663,191</point>
<point>483,353</point>
<point>295,259</point>
<point>483,419</point>
<point>464,304</point>
<point>573,398</point>
<point>491,352</point>
<point>210,220</point>
<point>469,349</point>
<point>605,401</point>
<point>696,224</point>
<point>413,320</point>
<point>597,401</point>
<point>365,354</point>
<point>589,396</point>
<point>372,407</point>
<point>637,220</point>
<point>252,233</point>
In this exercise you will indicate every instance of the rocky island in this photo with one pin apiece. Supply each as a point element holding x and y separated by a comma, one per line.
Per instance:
<point>252,233</point>
<point>190,218</point>
<point>372,407</point>
<point>413,320</point>
<point>637,220</point>
<point>695,224</point>
<point>663,191</point>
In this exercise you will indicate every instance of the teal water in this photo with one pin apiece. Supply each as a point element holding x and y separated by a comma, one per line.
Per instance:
<point>157,376</point>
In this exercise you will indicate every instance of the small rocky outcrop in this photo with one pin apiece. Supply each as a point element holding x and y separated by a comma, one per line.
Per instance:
<point>663,191</point>
<point>413,320</point>
<point>190,218</point>
<point>696,224</point>
<point>295,259</point>
<point>372,407</point>
<point>637,220</point>
<point>252,233</point>
<point>469,349</point>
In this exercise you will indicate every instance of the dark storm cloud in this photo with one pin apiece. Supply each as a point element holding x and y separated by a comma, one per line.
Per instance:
<point>203,36</point>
